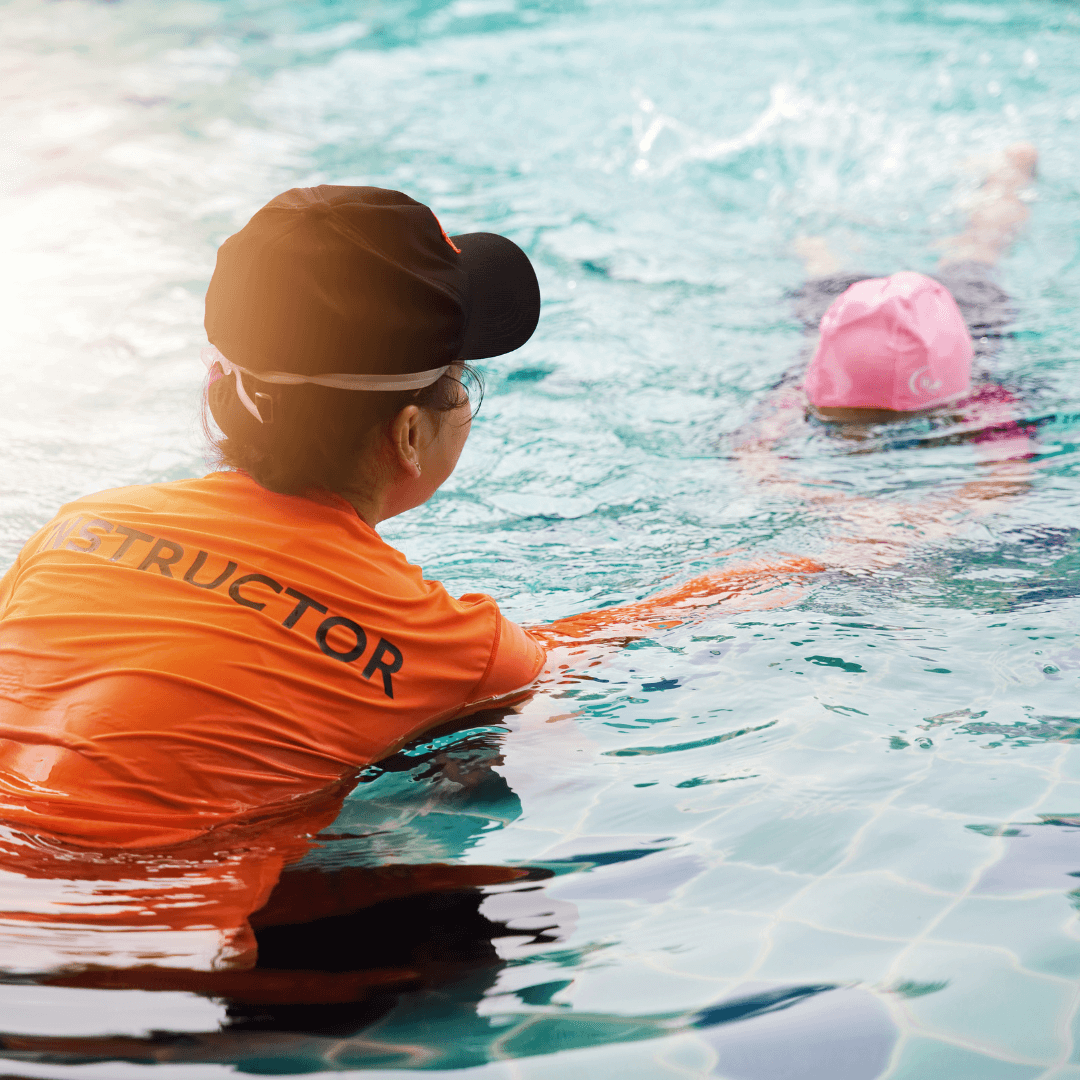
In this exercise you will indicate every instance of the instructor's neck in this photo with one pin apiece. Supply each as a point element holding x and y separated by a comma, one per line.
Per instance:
<point>367,509</point>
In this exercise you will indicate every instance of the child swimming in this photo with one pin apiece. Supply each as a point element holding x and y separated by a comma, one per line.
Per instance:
<point>890,348</point>
<point>895,349</point>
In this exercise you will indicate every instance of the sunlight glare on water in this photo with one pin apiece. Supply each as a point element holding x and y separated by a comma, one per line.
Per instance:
<point>833,839</point>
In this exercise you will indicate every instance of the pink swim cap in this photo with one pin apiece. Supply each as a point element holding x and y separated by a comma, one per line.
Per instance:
<point>891,343</point>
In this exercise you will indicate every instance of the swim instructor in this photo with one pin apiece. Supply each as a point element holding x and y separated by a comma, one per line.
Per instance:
<point>176,656</point>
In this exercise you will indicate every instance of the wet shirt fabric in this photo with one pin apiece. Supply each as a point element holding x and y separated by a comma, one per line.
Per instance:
<point>176,656</point>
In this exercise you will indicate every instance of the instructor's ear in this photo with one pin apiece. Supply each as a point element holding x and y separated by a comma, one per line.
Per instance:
<point>405,438</point>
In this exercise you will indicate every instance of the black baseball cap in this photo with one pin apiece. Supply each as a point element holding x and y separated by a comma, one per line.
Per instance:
<point>364,281</point>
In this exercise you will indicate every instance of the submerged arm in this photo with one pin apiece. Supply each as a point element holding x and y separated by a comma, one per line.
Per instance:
<point>754,585</point>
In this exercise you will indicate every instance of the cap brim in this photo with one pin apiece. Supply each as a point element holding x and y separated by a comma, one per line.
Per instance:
<point>504,296</point>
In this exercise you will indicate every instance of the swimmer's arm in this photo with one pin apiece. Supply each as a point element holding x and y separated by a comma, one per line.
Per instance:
<point>868,535</point>
<point>785,407</point>
<point>516,661</point>
<point>818,259</point>
<point>755,585</point>
<point>1005,478</point>
<point>999,211</point>
<point>580,642</point>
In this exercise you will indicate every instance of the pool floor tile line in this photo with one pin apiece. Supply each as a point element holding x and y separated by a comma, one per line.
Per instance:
<point>986,1066</point>
<point>1014,961</point>
<point>1023,926</point>
<point>973,1010</point>
<point>930,890</point>
<point>765,947</point>
<point>1069,1033</point>
<point>997,844</point>
<point>686,1056</point>
<point>851,847</point>
<point>975,1047</point>
<point>884,985</point>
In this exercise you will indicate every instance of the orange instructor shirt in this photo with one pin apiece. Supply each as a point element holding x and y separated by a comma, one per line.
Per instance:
<point>175,656</point>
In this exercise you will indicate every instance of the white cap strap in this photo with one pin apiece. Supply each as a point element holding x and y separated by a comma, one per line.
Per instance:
<point>413,380</point>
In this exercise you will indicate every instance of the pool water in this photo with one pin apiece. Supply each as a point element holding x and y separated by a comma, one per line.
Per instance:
<point>837,838</point>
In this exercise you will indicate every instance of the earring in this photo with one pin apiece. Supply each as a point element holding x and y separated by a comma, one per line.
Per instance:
<point>418,469</point>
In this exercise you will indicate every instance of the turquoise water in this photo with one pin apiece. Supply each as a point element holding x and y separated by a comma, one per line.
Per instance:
<point>837,838</point>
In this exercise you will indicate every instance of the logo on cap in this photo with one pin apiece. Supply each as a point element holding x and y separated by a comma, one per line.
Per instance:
<point>921,381</point>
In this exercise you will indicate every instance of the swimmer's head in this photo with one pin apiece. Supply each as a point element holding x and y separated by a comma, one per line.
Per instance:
<point>889,347</point>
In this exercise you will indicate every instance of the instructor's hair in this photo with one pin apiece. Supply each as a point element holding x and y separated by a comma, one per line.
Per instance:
<point>315,437</point>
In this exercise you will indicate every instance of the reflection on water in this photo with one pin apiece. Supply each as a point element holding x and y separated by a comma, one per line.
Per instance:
<point>322,954</point>
<point>294,931</point>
